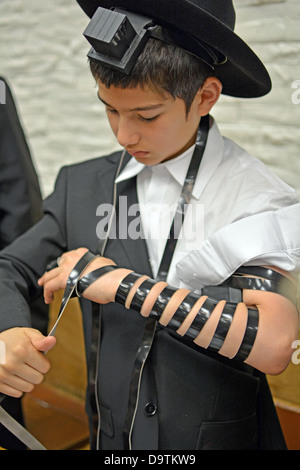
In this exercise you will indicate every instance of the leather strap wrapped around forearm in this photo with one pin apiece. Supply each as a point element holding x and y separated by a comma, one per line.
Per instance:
<point>185,308</point>
<point>91,277</point>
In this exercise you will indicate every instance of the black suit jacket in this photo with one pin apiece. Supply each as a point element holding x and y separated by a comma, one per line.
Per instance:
<point>198,400</point>
<point>20,195</point>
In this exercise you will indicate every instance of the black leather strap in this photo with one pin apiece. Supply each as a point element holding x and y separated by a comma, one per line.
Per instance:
<point>71,284</point>
<point>200,319</point>
<point>162,301</point>
<point>250,335</point>
<point>182,311</point>
<point>91,277</point>
<point>268,280</point>
<point>141,294</point>
<point>97,311</point>
<point>93,373</point>
<point>125,285</point>
<point>140,360</point>
<point>223,327</point>
<point>260,271</point>
<point>185,198</point>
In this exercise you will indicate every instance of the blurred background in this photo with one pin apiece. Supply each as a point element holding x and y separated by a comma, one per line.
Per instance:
<point>43,56</point>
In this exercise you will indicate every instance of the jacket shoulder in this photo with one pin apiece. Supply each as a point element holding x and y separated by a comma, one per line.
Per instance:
<point>101,163</point>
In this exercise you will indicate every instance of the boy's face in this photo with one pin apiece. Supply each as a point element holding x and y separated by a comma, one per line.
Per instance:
<point>153,128</point>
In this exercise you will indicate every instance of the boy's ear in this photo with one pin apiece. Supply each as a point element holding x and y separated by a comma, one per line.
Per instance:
<point>208,95</point>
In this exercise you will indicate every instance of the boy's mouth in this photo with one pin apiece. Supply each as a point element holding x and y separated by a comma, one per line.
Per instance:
<point>137,153</point>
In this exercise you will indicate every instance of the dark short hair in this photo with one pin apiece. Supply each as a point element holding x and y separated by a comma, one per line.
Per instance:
<point>162,67</point>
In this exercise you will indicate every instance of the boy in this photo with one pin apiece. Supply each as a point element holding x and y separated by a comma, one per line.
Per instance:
<point>214,314</point>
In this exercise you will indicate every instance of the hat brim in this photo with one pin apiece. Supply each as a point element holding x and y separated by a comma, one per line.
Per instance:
<point>243,75</point>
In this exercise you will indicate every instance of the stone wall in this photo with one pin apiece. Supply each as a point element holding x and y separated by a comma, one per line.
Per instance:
<point>269,127</point>
<point>43,55</point>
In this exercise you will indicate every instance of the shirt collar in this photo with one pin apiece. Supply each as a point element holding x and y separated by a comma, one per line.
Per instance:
<point>178,166</point>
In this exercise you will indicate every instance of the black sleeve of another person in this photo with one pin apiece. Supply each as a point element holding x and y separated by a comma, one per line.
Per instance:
<point>20,208</point>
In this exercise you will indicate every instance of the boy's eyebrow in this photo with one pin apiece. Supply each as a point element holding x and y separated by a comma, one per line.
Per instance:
<point>142,108</point>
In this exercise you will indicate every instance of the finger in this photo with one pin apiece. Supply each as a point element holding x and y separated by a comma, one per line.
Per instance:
<point>50,287</point>
<point>10,391</point>
<point>40,342</point>
<point>26,357</point>
<point>41,280</point>
<point>19,377</point>
<point>29,374</point>
<point>51,282</point>
<point>32,353</point>
<point>48,275</point>
<point>17,383</point>
<point>36,361</point>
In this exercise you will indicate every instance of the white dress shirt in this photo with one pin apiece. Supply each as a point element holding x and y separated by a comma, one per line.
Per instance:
<point>240,214</point>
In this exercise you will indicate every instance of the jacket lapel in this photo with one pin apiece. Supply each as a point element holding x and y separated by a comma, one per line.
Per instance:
<point>125,245</point>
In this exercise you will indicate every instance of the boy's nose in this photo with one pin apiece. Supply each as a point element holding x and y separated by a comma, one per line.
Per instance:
<point>127,135</point>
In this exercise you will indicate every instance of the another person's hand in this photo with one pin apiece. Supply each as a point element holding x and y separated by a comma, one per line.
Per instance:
<point>24,362</point>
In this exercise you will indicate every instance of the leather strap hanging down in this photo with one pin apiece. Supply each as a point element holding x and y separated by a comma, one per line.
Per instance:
<point>184,199</point>
<point>149,332</point>
<point>84,261</point>
<point>17,429</point>
<point>97,311</point>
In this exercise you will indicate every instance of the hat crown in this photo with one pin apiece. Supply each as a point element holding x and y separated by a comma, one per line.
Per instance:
<point>210,22</point>
<point>223,10</point>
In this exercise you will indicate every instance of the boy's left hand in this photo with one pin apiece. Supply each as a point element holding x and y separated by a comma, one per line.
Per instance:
<point>101,291</point>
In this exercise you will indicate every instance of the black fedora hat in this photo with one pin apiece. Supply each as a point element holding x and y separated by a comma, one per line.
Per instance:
<point>212,22</point>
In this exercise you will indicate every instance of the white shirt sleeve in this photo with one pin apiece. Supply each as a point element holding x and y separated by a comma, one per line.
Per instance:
<point>269,238</point>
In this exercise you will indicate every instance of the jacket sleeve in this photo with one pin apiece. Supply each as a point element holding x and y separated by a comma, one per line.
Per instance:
<point>25,260</point>
<point>20,195</point>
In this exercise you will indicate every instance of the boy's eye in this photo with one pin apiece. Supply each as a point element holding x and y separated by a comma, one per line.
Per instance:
<point>141,118</point>
<point>148,119</point>
<point>111,111</point>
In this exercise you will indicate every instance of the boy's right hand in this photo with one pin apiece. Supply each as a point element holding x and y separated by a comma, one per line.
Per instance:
<point>24,362</point>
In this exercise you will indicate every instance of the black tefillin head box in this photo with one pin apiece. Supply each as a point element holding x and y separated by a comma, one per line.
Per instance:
<point>110,33</point>
<point>117,37</point>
